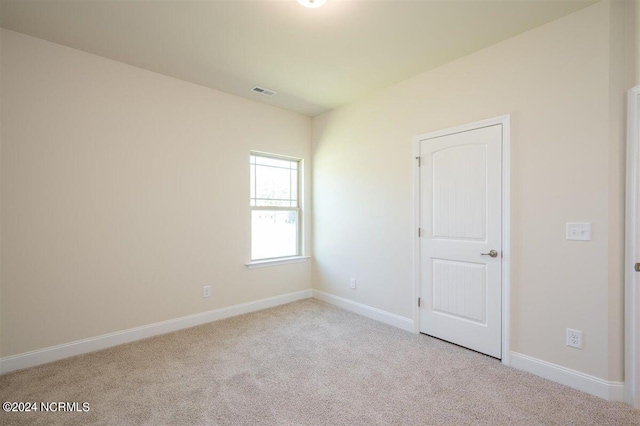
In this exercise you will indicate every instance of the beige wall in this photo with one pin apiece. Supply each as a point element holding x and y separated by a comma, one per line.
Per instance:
<point>558,82</point>
<point>123,193</point>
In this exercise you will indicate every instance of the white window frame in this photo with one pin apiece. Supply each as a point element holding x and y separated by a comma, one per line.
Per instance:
<point>299,256</point>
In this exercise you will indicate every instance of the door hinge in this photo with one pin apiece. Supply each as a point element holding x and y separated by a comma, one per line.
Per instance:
<point>419,161</point>
<point>637,267</point>
<point>419,232</point>
<point>418,302</point>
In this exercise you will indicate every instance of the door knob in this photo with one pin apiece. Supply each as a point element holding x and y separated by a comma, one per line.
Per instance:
<point>491,253</point>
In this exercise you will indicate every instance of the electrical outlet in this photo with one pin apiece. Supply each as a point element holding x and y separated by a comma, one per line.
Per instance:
<point>206,291</point>
<point>574,338</point>
<point>352,283</point>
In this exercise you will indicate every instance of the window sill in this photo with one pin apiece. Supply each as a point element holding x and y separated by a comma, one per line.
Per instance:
<point>273,262</point>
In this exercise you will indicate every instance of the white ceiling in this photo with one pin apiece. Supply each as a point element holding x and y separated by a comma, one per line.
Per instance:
<point>315,59</point>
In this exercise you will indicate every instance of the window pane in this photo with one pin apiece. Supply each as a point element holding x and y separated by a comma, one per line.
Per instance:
<point>267,161</point>
<point>252,181</point>
<point>273,183</point>
<point>274,234</point>
<point>294,186</point>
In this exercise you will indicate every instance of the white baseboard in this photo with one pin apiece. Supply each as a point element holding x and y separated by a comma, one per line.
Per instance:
<point>612,391</point>
<point>54,353</point>
<point>365,310</point>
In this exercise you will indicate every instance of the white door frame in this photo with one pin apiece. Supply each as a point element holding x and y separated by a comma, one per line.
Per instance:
<point>631,293</point>
<point>505,121</point>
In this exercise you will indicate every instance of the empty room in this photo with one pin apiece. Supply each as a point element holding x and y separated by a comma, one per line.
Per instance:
<point>320,212</point>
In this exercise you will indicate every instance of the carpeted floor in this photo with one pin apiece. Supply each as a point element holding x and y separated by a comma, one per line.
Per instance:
<point>306,363</point>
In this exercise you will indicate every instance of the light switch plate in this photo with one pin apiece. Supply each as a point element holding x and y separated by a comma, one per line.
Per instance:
<point>579,231</point>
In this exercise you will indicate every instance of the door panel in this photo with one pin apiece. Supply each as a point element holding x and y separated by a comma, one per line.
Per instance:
<point>460,289</point>
<point>460,214</point>
<point>459,192</point>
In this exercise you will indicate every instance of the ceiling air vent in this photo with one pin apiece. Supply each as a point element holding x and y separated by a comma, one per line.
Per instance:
<point>263,91</point>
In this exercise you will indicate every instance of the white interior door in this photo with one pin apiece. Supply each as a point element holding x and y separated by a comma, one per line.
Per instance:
<point>461,241</point>
<point>632,252</point>
<point>635,294</point>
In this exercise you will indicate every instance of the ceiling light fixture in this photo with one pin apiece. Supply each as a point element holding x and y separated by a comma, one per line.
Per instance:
<point>312,4</point>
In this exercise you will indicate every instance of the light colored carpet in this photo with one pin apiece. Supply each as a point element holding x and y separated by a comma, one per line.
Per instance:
<point>305,363</point>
